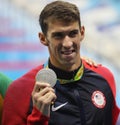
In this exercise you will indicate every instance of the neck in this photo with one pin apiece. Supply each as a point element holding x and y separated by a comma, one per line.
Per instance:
<point>67,76</point>
<point>67,67</point>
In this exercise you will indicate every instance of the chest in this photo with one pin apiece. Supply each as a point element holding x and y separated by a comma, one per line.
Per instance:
<point>83,102</point>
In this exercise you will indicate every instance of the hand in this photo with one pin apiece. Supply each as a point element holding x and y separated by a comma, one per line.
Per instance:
<point>42,96</point>
<point>90,62</point>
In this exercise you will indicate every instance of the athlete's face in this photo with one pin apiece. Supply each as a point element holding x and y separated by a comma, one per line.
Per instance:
<point>63,41</point>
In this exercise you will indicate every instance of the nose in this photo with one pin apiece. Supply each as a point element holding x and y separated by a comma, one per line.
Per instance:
<point>67,42</point>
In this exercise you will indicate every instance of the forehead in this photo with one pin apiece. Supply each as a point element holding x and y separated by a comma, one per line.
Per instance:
<point>58,26</point>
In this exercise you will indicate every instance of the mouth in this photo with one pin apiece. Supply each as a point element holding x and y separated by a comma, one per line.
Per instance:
<point>68,52</point>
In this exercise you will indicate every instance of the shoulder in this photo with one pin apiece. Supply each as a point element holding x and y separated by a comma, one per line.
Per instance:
<point>18,95</point>
<point>23,86</point>
<point>100,69</point>
<point>105,73</point>
<point>25,82</point>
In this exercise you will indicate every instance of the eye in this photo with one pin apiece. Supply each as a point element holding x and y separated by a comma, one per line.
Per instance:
<point>58,35</point>
<point>73,33</point>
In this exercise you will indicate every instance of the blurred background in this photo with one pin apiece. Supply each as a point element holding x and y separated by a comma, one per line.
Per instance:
<point>20,49</point>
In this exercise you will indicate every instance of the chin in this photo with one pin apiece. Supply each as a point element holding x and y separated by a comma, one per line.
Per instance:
<point>69,63</point>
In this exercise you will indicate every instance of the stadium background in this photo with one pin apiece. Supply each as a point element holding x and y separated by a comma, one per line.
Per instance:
<point>20,49</point>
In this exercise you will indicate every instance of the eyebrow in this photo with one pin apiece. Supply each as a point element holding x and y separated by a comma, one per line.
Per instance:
<point>64,32</point>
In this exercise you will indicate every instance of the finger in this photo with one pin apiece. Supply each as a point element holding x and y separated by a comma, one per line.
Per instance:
<point>38,86</point>
<point>47,98</point>
<point>45,101</point>
<point>36,94</point>
<point>46,90</point>
<point>91,62</point>
<point>42,94</point>
<point>48,101</point>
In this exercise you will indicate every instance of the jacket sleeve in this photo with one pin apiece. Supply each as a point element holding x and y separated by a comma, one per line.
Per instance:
<point>17,103</point>
<point>36,118</point>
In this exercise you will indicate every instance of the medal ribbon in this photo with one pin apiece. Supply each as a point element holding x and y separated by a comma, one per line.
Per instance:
<point>77,77</point>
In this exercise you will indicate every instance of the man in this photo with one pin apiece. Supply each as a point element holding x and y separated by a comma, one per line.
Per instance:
<point>83,94</point>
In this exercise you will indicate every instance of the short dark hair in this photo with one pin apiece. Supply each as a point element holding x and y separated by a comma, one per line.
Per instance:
<point>59,10</point>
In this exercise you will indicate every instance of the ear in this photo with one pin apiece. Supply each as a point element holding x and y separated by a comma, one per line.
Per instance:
<point>82,31</point>
<point>42,39</point>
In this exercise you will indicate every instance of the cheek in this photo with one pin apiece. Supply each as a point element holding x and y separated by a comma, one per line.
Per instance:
<point>52,48</point>
<point>77,43</point>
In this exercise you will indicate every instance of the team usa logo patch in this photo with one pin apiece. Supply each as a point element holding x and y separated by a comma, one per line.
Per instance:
<point>98,99</point>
